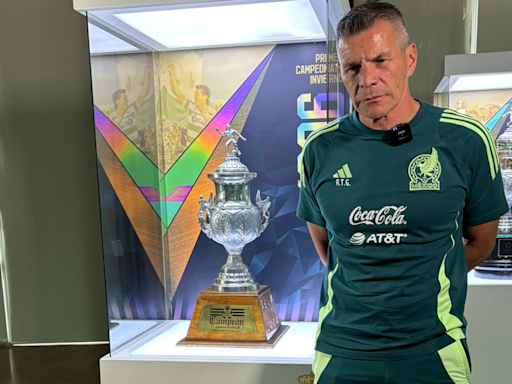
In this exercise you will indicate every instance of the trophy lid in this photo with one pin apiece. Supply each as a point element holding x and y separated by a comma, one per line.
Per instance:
<point>232,164</point>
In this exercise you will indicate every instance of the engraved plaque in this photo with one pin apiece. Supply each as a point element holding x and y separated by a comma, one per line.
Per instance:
<point>227,319</point>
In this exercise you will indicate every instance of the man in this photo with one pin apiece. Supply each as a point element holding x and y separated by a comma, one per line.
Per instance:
<point>387,215</point>
<point>131,118</point>
<point>493,110</point>
<point>199,111</point>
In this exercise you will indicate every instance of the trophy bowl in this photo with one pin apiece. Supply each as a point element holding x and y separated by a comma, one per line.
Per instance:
<point>231,219</point>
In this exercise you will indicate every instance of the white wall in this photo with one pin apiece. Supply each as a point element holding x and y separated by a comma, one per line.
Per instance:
<point>489,315</point>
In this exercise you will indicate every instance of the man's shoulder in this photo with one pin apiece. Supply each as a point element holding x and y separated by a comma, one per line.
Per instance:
<point>458,127</point>
<point>468,139</point>
<point>324,135</point>
<point>210,112</point>
<point>191,106</point>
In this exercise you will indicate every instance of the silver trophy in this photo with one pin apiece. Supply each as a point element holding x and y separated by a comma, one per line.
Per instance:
<point>231,219</point>
<point>504,147</point>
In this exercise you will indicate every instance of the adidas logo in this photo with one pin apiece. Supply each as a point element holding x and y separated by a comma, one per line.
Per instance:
<point>342,176</point>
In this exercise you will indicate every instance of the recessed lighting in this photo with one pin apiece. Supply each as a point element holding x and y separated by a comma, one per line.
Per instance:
<point>225,25</point>
<point>482,82</point>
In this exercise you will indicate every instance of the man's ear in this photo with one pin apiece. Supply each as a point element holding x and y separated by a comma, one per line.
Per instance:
<point>412,58</point>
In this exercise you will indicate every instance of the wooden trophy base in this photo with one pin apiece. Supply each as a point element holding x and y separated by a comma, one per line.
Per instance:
<point>235,319</point>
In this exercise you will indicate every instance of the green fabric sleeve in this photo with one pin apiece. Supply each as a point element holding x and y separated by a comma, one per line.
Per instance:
<point>485,202</point>
<point>308,208</point>
<point>486,199</point>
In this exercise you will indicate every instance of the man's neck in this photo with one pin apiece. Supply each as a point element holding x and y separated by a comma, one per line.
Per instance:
<point>402,113</point>
<point>120,111</point>
<point>203,107</point>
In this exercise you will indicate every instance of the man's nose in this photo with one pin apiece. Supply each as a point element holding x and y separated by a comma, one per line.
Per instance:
<point>368,75</point>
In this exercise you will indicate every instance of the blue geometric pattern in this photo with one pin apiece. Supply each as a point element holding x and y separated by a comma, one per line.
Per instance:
<point>500,121</point>
<point>283,257</point>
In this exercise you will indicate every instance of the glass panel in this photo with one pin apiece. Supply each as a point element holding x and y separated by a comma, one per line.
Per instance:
<point>129,164</point>
<point>338,98</point>
<point>480,105</point>
<point>493,109</point>
<point>442,94</point>
<point>3,323</point>
<point>157,110</point>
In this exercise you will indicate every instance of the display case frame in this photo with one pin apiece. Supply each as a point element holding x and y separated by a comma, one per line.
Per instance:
<point>480,85</point>
<point>138,67</point>
<point>488,300</point>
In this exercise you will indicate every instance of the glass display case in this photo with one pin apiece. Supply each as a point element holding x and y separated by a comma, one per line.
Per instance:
<point>480,86</point>
<point>165,76</point>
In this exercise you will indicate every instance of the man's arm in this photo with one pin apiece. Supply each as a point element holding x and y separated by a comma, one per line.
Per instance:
<point>320,240</point>
<point>145,87</point>
<point>480,242</point>
<point>174,84</point>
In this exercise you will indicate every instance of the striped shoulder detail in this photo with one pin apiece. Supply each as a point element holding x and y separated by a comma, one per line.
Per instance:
<point>452,117</point>
<point>332,126</point>
<point>451,323</point>
<point>327,308</point>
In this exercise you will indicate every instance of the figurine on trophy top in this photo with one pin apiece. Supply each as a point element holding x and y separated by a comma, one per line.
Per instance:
<point>230,134</point>
<point>232,162</point>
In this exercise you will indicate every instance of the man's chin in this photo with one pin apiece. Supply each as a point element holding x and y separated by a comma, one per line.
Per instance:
<point>374,113</point>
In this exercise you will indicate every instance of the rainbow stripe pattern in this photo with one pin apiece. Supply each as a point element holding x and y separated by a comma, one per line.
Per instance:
<point>167,192</point>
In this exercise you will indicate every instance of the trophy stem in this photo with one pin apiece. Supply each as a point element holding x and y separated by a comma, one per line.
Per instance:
<point>234,276</point>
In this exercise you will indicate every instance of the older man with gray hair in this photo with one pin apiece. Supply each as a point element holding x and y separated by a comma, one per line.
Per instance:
<point>388,193</point>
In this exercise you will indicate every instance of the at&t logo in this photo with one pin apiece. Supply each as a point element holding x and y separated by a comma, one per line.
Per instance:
<point>359,238</point>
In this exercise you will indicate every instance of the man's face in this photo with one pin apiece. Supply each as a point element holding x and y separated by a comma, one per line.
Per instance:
<point>474,114</point>
<point>122,102</point>
<point>375,69</point>
<point>199,97</point>
<point>493,111</point>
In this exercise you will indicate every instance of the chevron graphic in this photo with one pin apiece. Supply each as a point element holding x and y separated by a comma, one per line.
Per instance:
<point>167,192</point>
<point>154,200</point>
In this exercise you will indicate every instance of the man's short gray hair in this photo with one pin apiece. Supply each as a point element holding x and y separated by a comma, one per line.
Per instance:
<point>364,16</point>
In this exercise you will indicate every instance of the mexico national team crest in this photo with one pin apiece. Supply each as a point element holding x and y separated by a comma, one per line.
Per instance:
<point>424,172</point>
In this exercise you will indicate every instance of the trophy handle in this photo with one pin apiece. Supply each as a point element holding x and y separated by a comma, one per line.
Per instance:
<point>205,223</point>
<point>263,206</point>
<point>265,220</point>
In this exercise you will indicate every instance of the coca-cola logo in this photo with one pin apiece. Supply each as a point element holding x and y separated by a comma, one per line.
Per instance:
<point>388,215</point>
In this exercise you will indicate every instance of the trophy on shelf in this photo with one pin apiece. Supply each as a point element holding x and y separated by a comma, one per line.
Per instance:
<point>499,264</point>
<point>235,310</point>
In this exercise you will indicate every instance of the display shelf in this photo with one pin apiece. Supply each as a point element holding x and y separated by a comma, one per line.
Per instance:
<point>296,346</point>
<point>126,330</point>
<point>476,280</point>
<point>156,356</point>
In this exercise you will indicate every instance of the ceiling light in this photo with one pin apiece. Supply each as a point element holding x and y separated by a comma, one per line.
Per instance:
<point>225,25</point>
<point>482,82</point>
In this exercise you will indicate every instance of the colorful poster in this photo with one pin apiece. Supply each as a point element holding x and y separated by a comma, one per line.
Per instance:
<point>480,105</point>
<point>276,96</point>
